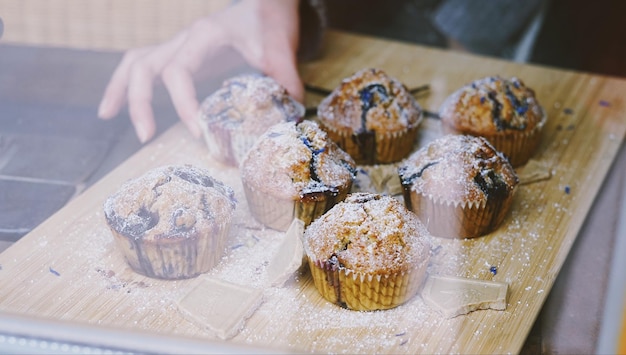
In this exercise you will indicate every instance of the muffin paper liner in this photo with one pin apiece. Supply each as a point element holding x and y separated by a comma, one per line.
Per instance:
<point>175,257</point>
<point>456,219</point>
<point>517,146</point>
<point>227,146</point>
<point>365,292</point>
<point>375,148</point>
<point>278,213</point>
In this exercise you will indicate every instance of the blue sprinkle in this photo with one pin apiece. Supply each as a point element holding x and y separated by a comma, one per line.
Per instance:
<point>567,189</point>
<point>604,103</point>
<point>568,111</point>
<point>521,109</point>
<point>54,272</point>
<point>493,270</point>
<point>482,99</point>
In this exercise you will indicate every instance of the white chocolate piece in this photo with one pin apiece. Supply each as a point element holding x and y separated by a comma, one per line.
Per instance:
<point>533,171</point>
<point>455,296</point>
<point>220,306</point>
<point>288,259</point>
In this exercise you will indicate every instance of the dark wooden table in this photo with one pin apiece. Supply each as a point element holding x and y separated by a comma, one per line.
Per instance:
<point>52,146</point>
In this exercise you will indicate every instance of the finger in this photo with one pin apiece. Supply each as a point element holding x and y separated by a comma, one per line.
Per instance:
<point>287,75</point>
<point>281,64</point>
<point>179,83</point>
<point>115,93</point>
<point>202,39</point>
<point>140,80</point>
<point>140,100</point>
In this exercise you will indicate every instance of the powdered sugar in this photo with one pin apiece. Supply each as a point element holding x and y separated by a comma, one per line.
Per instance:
<point>448,168</point>
<point>369,234</point>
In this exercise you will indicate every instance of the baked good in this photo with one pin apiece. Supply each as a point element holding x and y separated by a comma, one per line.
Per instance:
<point>367,253</point>
<point>372,116</point>
<point>172,222</point>
<point>295,171</point>
<point>460,186</point>
<point>505,111</point>
<point>234,116</point>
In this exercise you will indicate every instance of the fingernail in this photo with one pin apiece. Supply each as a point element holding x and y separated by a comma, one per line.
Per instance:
<point>142,134</point>
<point>102,109</point>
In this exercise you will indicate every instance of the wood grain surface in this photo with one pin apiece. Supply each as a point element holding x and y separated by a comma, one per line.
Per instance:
<point>69,269</point>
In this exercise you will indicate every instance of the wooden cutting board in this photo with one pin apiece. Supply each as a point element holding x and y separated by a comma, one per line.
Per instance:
<point>69,269</point>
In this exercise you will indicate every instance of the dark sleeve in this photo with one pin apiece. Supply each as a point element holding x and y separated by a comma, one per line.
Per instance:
<point>313,23</point>
<point>485,26</point>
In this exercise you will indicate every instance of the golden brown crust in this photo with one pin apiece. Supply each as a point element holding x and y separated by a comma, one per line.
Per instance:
<point>370,112</point>
<point>369,234</point>
<point>458,185</point>
<point>503,111</point>
<point>367,253</point>
<point>492,105</point>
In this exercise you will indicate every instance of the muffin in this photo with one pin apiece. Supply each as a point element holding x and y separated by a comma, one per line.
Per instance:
<point>504,111</point>
<point>295,171</point>
<point>372,116</point>
<point>172,222</point>
<point>460,186</point>
<point>367,253</point>
<point>234,117</point>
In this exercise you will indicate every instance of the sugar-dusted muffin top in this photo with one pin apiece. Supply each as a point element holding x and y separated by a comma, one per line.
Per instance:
<point>370,100</point>
<point>292,160</point>
<point>492,105</point>
<point>249,103</point>
<point>169,202</point>
<point>368,233</point>
<point>459,169</point>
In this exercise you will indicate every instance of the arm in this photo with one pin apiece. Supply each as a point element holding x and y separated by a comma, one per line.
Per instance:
<point>264,32</point>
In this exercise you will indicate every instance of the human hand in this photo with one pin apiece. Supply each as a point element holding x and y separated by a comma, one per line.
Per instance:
<point>264,32</point>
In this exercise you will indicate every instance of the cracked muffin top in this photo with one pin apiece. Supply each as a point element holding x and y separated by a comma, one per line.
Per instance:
<point>370,101</point>
<point>169,202</point>
<point>492,105</point>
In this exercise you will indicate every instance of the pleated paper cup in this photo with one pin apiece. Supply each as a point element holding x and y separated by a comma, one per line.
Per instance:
<point>365,292</point>
<point>369,148</point>
<point>517,146</point>
<point>175,257</point>
<point>278,212</point>
<point>457,219</point>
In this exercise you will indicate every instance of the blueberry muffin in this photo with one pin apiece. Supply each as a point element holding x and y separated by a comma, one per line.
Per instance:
<point>367,253</point>
<point>460,186</point>
<point>504,111</point>
<point>295,171</point>
<point>233,117</point>
<point>372,116</point>
<point>172,222</point>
